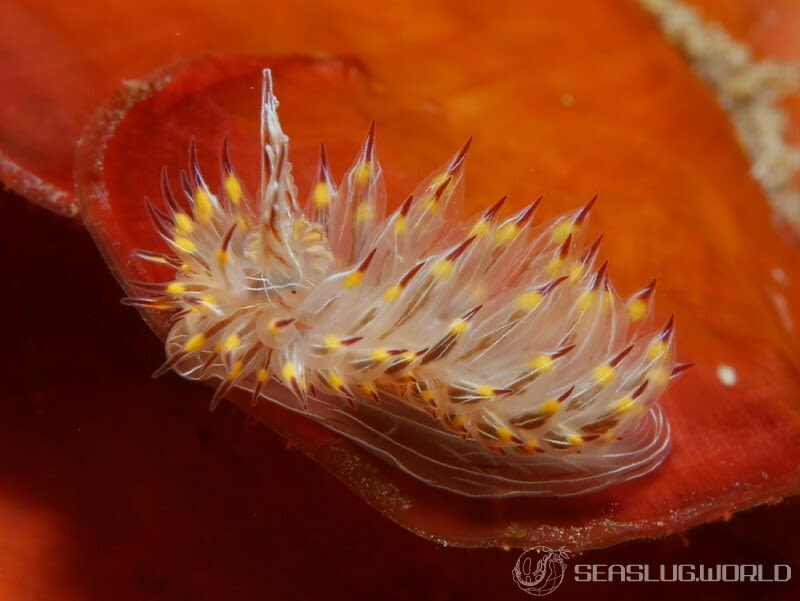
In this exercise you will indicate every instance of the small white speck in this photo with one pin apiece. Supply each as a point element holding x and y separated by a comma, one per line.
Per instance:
<point>782,307</point>
<point>726,375</point>
<point>567,99</point>
<point>779,275</point>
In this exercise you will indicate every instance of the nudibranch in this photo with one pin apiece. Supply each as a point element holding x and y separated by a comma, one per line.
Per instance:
<point>490,359</point>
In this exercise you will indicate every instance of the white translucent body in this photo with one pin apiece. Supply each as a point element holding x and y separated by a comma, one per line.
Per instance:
<point>490,359</point>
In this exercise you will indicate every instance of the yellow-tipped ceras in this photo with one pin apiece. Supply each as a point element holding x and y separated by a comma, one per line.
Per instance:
<point>501,363</point>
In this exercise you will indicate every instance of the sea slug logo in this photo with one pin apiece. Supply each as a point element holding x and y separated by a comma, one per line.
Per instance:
<point>540,570</point>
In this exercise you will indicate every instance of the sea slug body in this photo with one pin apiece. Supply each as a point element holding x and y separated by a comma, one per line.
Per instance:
<point>497,360</point>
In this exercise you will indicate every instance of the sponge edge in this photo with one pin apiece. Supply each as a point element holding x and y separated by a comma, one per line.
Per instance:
<point>750,91</point>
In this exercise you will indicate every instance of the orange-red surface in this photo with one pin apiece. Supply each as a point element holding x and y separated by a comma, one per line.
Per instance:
<point>734,446</point>
<point>61,61</point>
